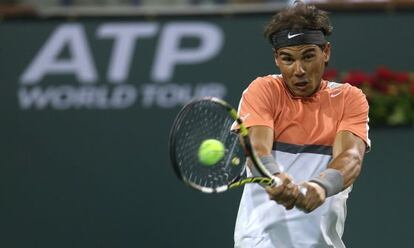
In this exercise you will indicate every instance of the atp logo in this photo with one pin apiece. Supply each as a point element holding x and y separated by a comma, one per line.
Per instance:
<point>83,87</point>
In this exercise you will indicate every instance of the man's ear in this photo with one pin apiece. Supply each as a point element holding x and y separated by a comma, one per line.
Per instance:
<point>327,52</point>
<point>275,56</point>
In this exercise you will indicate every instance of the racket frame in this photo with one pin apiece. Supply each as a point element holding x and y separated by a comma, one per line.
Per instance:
<point>266,179</point>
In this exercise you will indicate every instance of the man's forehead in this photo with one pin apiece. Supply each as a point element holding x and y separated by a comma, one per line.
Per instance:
<point>297,49</point>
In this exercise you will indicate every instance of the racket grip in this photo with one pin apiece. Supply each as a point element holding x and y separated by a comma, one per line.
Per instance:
<point>276,181</point>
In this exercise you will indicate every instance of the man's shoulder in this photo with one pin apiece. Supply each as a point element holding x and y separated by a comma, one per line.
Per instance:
<point>270,81</point>
<point>334,85</point>
<point>344,87</point>
<point>269,86</point>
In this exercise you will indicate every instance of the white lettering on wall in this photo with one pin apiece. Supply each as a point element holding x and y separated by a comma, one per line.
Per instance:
<point>169,54</point>
<point>125,36</point>
<point>66,52</point>
<point>47,61</point>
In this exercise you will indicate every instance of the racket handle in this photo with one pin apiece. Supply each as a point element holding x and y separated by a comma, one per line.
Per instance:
<point>276,181</point>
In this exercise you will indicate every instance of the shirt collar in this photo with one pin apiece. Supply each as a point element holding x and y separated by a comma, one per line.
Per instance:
<point>314,96</point>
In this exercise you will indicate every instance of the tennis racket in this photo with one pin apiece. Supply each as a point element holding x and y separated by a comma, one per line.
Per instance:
<point>212,118</point>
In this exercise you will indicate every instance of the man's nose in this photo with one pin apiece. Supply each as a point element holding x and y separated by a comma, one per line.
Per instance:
<point>299,70</point>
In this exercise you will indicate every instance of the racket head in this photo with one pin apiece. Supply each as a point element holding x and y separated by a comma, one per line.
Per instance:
<point>199,120</point>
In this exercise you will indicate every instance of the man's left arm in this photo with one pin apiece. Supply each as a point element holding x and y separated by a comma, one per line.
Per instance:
<point>345,167</point>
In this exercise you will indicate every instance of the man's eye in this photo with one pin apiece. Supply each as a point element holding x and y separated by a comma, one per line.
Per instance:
<point>287,59</point>
<point>309,56</point>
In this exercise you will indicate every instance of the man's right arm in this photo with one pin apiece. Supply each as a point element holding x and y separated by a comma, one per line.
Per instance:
<point>262,141</point>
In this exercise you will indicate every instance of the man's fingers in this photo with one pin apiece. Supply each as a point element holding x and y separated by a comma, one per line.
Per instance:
<point>286,195</point>
<point>289,192</point>
<point>287,179</point>
<point>290,203</point>
<point>306,197</point>
<point>312,199</point>
<point>274,191</point>
<point>300,201</point>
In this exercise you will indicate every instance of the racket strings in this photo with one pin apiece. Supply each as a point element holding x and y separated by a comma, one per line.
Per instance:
<point>207,120</point>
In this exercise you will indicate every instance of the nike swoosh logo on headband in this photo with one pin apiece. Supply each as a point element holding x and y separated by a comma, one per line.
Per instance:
<point>290,36</point>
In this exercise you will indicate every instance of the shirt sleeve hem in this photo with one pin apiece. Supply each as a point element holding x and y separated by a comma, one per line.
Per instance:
<point>364,138</point>
<point>252,124</point>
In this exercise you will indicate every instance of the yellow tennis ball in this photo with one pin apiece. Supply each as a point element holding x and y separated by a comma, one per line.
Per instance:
<point>210,152</point>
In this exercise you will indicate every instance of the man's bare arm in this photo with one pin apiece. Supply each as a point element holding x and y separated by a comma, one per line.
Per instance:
<point>345,167</point>
<point>261,138</point>
<point>348,153</point>
<point>262,141</point>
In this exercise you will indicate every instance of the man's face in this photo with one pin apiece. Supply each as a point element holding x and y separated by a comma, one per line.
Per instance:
<point>302,67</point>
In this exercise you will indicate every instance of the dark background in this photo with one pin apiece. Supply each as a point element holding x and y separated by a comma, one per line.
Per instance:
<point>102,178</point>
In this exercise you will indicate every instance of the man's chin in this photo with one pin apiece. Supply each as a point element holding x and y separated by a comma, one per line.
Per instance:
<point>301,93</point>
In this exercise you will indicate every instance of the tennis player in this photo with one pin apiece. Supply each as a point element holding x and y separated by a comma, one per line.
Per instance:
<point>307,131</point>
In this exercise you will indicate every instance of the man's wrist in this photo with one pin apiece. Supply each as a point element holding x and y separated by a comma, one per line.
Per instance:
<point>270,164</point>
<point>331,180</point>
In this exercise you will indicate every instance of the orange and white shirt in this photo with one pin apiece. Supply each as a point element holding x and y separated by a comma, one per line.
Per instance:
<point>304,131</point>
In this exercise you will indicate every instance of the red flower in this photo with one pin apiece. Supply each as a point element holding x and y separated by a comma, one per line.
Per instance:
<point>330,74</point>
<point>385,80</point>
<point>380,85</point>
<point>383,73</point>
<point>401,77</point>
<point>357,78</point>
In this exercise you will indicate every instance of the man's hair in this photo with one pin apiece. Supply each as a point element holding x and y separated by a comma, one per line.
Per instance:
<point>298,17</point>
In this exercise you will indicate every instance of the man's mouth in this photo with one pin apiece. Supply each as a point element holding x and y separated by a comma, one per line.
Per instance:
<point>301,85</point>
